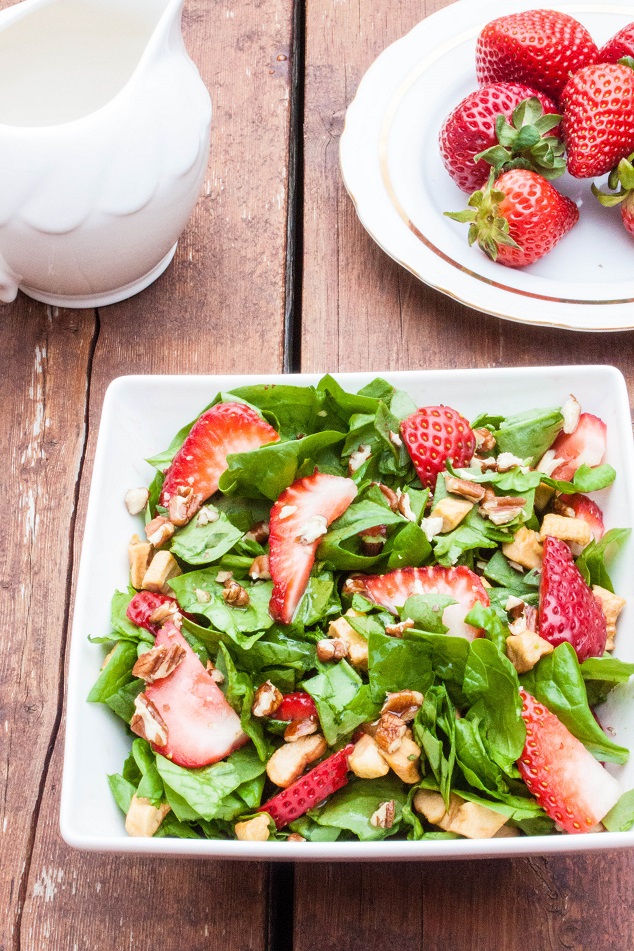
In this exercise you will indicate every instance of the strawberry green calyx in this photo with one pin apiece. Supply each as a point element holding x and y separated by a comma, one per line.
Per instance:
<point>621,178</point>
<point>626,61</point>
<point>486,225</point>
<point>524,143</point>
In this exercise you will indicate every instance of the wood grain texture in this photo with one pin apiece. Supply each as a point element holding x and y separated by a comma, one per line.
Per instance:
<point>362,311</point>
<point>218,307</point>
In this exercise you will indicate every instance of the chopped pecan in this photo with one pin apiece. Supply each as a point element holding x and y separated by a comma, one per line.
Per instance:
<point>207,516</point>
<point>258,533</point>
<point>260,568</point>
<point>405,704</point>
<point>390,732</point>
<point>168,611</point>
<point>147,722</point>
<point>158,662</point>
<point>216,675</point>
<point>390,495</point>
<point>396,630</point>
<point>234,594</point>
<point>295,837</point>
<point>159,531</point>
<point>266,700</point>
<point>183,505</point>
<point>384,816</point>
<point>358,457</point>
<point>331,648</point>
<point>314,528</point>
<point>484,440</point>
<point>502,509</point>
<point>299,728</point>
<point>373,540</point>
<point>468,490</point>
<point>559,507</point>
<point>404,505</point>
<point>355,584</point>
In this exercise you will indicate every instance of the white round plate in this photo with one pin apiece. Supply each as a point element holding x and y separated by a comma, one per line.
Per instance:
<point>392,169</point>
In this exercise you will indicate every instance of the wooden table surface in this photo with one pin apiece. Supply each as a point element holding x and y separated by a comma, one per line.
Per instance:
<point>273,272</point>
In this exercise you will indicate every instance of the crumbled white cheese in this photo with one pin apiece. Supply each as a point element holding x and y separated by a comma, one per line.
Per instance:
<point>506,461</point>
<point>207,515</point>
<point>548,463</point>
<point>358,457</point>
<point>315,527</point>
<point>431,527</point>
<point>286,511</point>
<point>395,439</point>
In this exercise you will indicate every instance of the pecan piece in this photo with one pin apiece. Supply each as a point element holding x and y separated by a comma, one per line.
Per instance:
<point>234,594</point>
<point>183,505</point>
<point>260,568</point>
<point>384,816</point>
<point>355,584</point>
<point>147,722</point>
<point>331,648</point>
<point>404,704</point>
<point>390,495</point>
<point>502,509</point>
<point>396,630</point>
<point>484,440</point>
<point>468,490</point>
<point>266,700</point>
<point>390,732</point>
<point>158,662</point>
<point>258,533</point>
<point>159,531</point>
<point>299,728</point>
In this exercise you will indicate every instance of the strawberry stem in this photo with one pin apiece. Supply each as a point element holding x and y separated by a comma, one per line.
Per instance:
<point>621,178</point>
<point>523,142</point>
<point>486,225</point>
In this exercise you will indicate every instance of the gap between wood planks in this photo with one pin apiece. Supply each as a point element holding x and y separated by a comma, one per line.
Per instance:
<point>24,880</point>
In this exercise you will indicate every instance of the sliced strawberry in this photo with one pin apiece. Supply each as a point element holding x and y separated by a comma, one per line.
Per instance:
<point>566,780</point>
<point>143,605</point>
<point>434,434</point>
<point>568,610</point>
<point>296,706</point>
<point>197,466</point>
<point>584,508</point>
<point>201,726</point>
<point>311,789</point>
<point>392,591</point>
<point>298,520</point>
<point>585,446</point>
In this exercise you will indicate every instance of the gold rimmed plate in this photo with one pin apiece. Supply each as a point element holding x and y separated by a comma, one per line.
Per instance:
<point>392,169</point>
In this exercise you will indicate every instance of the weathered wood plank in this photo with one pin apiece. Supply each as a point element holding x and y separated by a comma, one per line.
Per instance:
<point>43,365</point>
<point>218,307</point>
<point>362,311</point>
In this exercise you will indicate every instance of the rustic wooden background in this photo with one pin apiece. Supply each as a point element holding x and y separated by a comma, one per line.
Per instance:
<point>274,272</point>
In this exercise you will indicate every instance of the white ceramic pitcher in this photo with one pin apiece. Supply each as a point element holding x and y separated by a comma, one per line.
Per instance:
<point>104,138</point>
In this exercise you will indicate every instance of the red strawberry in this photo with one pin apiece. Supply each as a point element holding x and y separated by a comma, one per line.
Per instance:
<point>143,604</point>
<point>620,45</point>
<point>589,511</point>
<point>598,125</point>
<point>621,177</point>
<point>477,125</point>
<point>201,727</point>
<point>518,219</point>
<point>197,466</point>
<point>434,434</point>
<point>585,446</point>
<point>392,591</point>
<point>538,47</point>
<point>565,779</point>
<point>311,789</point>
<point>298,520</point>
<point>296,706</point>
<point>568,610</point>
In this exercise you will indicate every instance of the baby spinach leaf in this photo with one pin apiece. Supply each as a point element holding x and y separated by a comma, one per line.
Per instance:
<point>337,549</point>
<point>242,625</point>
<point>120,621</point>
<point>122,790</point>
<point>238,690</point>
<point>602,674</point>
<point>151,785</point>
<point>122,702</point>
<point>492,688</point>
<point>435,733</point>
<point>528,435</point>
<point>292,409</point>
<point>557,682</point>
<point>487,619</point>
<point>271,469</point>
<point>591,561</point>
<point>396,664</point>
<point>342,700</point>
<point>620,818</point>
<point>426,611</point>
<point>353,806</point>
<point>585,479</point>
<point>116,674</point>
<point>499,571</point>
<point>201,544</point>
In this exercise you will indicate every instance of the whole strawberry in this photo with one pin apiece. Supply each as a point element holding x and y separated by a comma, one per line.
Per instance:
<point>538,47</point>
<point>622,177</point>
<point>434,434</point>
<point>598,125</point>
<point>620,45</point>
<point>504,125</point>
<point>518,218</point>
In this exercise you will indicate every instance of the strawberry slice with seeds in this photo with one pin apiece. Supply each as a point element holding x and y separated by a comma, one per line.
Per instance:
<point>298,520</point>
<point>584,508</point>
<point>143,605</point>
<point>566,780</point>
<point>201,727</point>
<point>585,446</point>
<point>460,583</point>
<point>296,706</point>
<point>197,466</point>
<point>434,434</point>
<point>309,790</point>
<point>568,610</point>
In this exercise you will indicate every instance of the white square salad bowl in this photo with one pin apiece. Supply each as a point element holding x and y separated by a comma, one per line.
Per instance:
<point>140,416</point>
